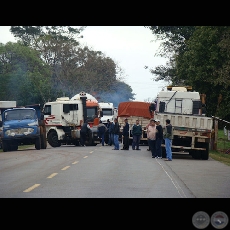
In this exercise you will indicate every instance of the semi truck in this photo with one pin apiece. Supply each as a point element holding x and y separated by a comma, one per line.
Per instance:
<point>109,111</point>
<point>65,117</point>
<point>135,110</point>
<point>192,129</point>
<point>23,126</point>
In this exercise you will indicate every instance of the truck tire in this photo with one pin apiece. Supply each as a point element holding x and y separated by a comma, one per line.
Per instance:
<point>38,143</point>
<point>196,154</point>
<point>14,147</point>
<point>5,146</point>
<point>43,141</point>
<point>205,154</point>
<point>53,139</point>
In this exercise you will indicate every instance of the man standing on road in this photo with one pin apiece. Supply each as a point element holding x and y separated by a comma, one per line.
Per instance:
<point>159,139</point>
<point>137,132</point>
<point>111,135</point>
<point>83,132</point>
<point>101,132</point>
<point>125,135</point>
<point>168,140</point>
<point>116,134</point>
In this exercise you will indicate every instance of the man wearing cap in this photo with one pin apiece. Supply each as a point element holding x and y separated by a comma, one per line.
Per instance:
<point>159,139</point>
<point>125,134</point>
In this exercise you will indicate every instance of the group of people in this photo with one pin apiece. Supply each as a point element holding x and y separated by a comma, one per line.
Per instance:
<point>113,133</point>
<point>156,134</point>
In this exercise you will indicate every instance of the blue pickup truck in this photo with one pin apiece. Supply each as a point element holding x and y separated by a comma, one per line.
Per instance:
<point>23,126</point>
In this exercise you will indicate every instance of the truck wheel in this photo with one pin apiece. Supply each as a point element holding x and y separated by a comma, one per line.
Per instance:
<point>53,139</point>
<point>38,143</point>
<point>196,154</point>
<point>205,154</point>
<point>14,147</point>
<point>5,146</point>
<point>43,141</point>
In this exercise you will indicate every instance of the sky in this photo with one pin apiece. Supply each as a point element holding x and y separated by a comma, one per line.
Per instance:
<point>131,47</point>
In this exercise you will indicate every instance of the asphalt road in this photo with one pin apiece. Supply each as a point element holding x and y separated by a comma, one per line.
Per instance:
<point>100,172</point>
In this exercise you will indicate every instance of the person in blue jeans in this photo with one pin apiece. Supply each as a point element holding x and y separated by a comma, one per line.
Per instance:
<point>136,132</point>
<point>111,135</point>
<point>116,132</point>
<point>168,140</point>
<point>101,132</point>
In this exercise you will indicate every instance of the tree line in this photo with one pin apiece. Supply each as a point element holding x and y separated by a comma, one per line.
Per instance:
<point>48,62</point>
<point>198,56</point>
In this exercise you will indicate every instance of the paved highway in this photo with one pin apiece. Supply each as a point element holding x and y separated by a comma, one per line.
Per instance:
<point>100,172</point>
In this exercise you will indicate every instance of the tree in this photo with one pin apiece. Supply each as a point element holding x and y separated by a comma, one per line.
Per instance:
<point>24,77</point>
<point>200,58</point>
<point>32,35</point>
<point>74,68</point>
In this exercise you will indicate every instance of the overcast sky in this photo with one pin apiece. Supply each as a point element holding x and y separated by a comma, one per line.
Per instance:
<point>131,47</point>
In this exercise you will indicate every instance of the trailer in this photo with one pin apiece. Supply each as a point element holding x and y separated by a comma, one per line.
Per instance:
<point>192,129</point>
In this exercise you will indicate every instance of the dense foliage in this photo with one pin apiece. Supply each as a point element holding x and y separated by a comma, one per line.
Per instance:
<point>199,56</point>
<point>49,62</point>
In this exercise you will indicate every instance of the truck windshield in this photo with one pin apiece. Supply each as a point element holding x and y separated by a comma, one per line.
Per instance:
<point>20,114</point>
<point>107,112</point>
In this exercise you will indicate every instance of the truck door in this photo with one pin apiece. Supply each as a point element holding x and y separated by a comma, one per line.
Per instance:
<point>70,112</point>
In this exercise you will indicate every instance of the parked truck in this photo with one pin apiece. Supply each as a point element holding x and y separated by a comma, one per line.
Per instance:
<point>109,111</point>
<point>65,117</point>
<point>192,129</point>
<point>135,110</point>
<point>3,106</point>
<point>23,126</point>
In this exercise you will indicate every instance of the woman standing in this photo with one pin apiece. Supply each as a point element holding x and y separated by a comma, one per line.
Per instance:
<point>151,132</point>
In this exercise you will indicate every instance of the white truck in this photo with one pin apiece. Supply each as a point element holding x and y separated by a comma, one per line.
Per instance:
<point>192,129</point>
<point>65,117</point>
<point>109,112</point>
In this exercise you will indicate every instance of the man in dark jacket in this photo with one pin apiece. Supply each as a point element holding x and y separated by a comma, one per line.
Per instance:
<point>116,134</point>
<point>84,130</point>
<point>137,132</point>
<point>101,132</point>
<point>111,133</point>
<point>159,139</point>
<point>125,134</point>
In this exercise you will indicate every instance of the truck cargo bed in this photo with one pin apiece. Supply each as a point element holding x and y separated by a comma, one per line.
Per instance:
<point>186,121</point>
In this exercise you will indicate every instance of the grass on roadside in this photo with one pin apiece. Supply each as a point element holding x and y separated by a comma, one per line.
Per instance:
<point>219,156</point>
<point>223,145</point>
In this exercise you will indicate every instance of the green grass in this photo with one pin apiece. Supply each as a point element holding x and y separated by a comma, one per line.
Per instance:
<point>223,144</point>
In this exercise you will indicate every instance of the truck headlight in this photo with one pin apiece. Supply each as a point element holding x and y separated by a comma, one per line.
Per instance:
<point>22,131</point>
